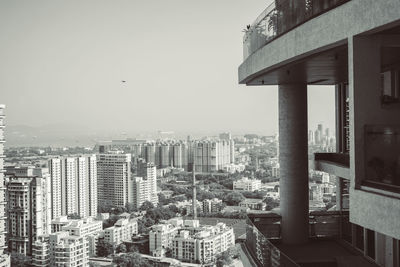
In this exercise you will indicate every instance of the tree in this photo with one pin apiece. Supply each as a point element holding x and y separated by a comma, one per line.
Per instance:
<point>131,259</point>
<point>271,203</point>
<point>147,205</point>
<point>233,199</point>
<point>130,207</point>
<point>121,248</point>
<point>104,248</point>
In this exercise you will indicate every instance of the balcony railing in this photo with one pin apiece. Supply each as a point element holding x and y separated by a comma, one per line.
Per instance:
<point>280,17</point>
<point>263,233</point>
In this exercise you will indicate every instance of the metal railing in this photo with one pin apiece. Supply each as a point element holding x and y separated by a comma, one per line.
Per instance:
<point>263,251</point>
<point>280,17</point>
<point>263,231</point>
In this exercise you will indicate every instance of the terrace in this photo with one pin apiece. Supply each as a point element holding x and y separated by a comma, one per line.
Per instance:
<point>330,238</point>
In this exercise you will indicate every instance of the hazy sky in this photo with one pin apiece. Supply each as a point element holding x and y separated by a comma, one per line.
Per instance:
<point>62,62</point>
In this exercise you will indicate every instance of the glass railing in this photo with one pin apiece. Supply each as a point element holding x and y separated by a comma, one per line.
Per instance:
<point>280,17</point>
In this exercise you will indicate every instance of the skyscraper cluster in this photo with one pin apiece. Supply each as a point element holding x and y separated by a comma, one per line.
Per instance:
<point>322,137</point>
<point>207,155</point>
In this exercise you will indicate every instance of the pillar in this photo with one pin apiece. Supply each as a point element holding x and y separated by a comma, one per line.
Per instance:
<point>293,160</point>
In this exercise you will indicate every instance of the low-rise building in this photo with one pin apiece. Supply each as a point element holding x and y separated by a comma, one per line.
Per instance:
<point>212,205</point>
<point>190,242</point>
<point>61,249</point>
<point>122,231</point>
<point>246,184</point>
<point>253,204</point>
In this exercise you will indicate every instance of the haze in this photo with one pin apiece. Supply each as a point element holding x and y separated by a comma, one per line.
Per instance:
<point>63,62</point>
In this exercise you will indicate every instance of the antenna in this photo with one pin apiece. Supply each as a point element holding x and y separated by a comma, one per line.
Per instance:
<point>194,204</point>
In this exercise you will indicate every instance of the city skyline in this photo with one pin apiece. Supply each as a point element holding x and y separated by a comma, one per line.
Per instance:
<point>114,76</point>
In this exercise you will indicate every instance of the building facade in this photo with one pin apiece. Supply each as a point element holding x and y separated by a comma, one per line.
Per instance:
<point>73,186</point>
<point>114,178</point>
<point>329,43</point>
<point>246,184</point>
<point>29,209</point>
<point>122,231</point>
<point>4,257</point>
<point>190,242</point>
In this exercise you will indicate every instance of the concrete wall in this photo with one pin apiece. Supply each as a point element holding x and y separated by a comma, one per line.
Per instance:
<point>371,210</point>
<point>321,33</point>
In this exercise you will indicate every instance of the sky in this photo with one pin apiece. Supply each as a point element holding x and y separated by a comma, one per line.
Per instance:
<point>62,63</point>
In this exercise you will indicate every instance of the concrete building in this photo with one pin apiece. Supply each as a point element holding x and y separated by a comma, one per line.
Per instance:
<point>113,178</point>
<point>28,205</point>
<point>122,231</point>
<point>144,188</point>
<point>61,249</point>
<point>70,245</point>
<point>330,43</point>
<point>212,205</point>
<point>161,235</point>
<point>246,184</point>
<point>73,186</point>
<point>253,204</point>
<point>190,242</point>
<point>4,257</point>
<point>211,156</point>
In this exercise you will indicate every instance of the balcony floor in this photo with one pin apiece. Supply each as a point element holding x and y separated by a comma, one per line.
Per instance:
<point>324,253</point>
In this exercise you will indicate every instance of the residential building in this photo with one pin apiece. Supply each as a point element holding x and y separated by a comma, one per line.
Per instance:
<point>73,186</point>
<point>211,156</point>
<point>113,178</point>
<point>246,184</point>
<point>71,245</point>
<point>189,241</point>
<point>144,188</point>
<point>61,250</point>
<point>161,235</point>
<point>4,257</point>
<point>329,43</point>
<point>87,228</point>
<point>212,205</point>
<point>122,231</point>
<point>253,204</point>
<point>28,205</point>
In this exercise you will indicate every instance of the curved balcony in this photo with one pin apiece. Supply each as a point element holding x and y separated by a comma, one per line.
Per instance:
<point>280,17</point>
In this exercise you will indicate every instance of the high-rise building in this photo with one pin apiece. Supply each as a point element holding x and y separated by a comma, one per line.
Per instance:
<point>144,187</point>
<point>73,186</point>
<point>4,257</point>
<point>29,209</point>
<point>211,156</point>
<point>114,178</point>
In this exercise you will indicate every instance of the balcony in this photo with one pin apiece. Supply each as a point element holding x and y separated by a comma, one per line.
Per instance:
<point>334,163</point>
<point>280,17</point>
<point>326,247</point>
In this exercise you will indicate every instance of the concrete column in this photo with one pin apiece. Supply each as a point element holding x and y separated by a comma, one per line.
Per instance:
<point>293,160</point>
